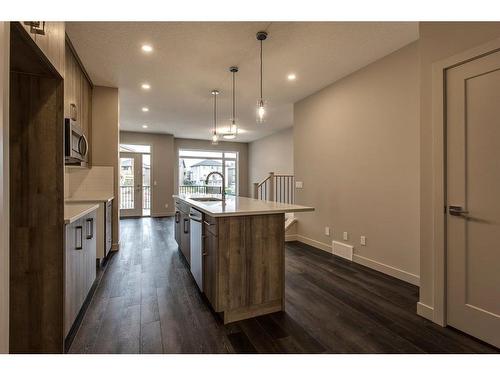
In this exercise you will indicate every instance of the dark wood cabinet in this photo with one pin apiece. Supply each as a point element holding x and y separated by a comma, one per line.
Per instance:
<point>78,94</point>
<point>210,268</point>
<point>49,37</point>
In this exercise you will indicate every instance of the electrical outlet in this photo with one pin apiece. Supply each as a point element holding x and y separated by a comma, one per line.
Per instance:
<point>345,236</point>
<point>362,240</point>
<point>327,231</point>
<point>166,205</point>
<point>299,184</point>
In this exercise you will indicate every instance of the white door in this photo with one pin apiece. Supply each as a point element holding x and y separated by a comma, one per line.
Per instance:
<point>130,184</point>
<point>473,197</point>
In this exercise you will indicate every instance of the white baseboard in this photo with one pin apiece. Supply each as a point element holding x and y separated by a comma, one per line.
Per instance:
<point>370,263</point>
<point>290,237</point>
<point>314,243</point>
<point>425,311</point>
<point>115,247</point>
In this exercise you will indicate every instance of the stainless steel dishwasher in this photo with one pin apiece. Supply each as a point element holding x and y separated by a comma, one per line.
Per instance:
<point>196,218</point>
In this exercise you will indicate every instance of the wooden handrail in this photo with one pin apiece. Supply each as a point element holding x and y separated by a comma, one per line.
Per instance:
<point>276,187</point>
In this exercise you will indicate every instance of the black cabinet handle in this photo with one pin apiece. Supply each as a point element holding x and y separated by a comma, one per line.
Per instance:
<point>79,228</point>
<point>177,216</point>
<point>90,223</point>
<point>186,221</point>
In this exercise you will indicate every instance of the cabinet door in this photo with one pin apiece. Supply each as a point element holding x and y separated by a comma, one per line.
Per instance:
<point>109,227</point>
<point>75,244</point>
<point>185,237</point>
<point>177,227</point>
<point>210,246</point>
<point>50,38</point>
<point>90,253</point>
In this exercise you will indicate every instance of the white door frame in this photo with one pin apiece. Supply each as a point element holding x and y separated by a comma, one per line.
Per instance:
<point>438,314</point>
<point>137,210</point>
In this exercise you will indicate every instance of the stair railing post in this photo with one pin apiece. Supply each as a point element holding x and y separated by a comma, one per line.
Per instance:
<point>256,190</point>
<point>271,186</point>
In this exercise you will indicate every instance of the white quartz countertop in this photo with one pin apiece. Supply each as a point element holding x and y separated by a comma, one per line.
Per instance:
<point>91,198</point>
<point>239,206</point>
<point>74,211</point>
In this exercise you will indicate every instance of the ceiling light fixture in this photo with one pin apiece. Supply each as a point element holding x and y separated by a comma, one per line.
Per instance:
<point>233,127</point>
<point>145,109</point>
<point>145,86</point>
<point>291,77</point>
<point>215,136</point>
<point>147,48</point>
<point>144,126</point>
<point>261,105</point>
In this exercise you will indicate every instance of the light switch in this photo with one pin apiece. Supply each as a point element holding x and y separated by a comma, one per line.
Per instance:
<point>298,184</point>
<point>327,231</point>
<point>362,240</point>
<point>154,183</point>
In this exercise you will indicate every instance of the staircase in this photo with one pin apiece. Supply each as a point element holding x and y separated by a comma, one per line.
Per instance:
<point>278,188</point>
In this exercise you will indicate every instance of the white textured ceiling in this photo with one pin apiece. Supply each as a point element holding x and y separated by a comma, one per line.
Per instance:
<point>192,58</point>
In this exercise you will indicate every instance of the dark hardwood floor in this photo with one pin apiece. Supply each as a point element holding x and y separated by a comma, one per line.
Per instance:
<point>147,302</point>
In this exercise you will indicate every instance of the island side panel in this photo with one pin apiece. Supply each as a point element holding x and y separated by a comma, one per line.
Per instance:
<point>252,255</point>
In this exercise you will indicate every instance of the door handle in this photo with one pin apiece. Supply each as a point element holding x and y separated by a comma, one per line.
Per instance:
<point>457,211</point>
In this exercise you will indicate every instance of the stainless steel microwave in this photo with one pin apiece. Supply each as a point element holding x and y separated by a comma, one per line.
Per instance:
<point>76,146</point>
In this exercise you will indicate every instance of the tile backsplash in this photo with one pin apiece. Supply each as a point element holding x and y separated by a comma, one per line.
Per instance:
<point>84,182</point>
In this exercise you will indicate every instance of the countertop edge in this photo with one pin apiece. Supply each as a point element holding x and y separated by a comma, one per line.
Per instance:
<point>83,199</point>
<point>198,206</point>
<point>89,208</point>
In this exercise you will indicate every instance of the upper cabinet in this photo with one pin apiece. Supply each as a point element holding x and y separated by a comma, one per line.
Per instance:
<point>49,37</point>
<point>78,94</point>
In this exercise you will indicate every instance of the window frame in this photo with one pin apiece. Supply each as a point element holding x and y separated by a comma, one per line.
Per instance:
<point>223,158</point>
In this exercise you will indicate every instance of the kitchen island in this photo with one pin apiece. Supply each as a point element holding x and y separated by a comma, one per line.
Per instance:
<point>236,251</point>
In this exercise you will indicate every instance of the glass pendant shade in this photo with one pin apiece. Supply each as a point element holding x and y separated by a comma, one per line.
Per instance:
<point>261,111</point>
<point>215,139</point>
<point>232,132</point>
<point>215,136</point>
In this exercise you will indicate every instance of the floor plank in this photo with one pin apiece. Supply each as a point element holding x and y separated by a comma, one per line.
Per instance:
<point>147,302</point>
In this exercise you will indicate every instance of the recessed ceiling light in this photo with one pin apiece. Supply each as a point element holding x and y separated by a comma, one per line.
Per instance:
<point>146,86</point>
<point>145,109</point>
<point>147,48</point>
<point>144,126</point>
<point>291,77</point>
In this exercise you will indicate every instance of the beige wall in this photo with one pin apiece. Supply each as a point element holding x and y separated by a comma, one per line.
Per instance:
<point>357,153</point>
<point>196,144</point>
<point>4,187</point>
<point>438,40</point>
<point>105,139</point>
<point>270,154</point>
<point>162,167</point>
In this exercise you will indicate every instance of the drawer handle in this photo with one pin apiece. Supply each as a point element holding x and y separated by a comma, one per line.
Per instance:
<point>186,221</point>
<point>90,224</point>
<point>78,229</point>
<point>207,223</point>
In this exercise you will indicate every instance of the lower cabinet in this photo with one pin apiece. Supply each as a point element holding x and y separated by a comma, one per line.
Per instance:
<point>108,227</point>
<point>210,269</point>
<point>182,232</point>
<point>80,265</point>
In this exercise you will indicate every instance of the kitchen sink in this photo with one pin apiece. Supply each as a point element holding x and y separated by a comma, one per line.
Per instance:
<point>206,199</point>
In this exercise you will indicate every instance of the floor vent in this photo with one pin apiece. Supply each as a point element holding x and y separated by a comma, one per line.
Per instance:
<point>342,250</point>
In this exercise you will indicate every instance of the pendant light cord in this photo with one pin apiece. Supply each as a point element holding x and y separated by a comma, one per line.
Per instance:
<point>234,102</point>
<point>215,114</point>
<point>261,70</point>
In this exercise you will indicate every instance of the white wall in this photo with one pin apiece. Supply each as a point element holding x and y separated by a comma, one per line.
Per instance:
<point>270,154</point>
<point>4,187</point>
<point>356,149</point>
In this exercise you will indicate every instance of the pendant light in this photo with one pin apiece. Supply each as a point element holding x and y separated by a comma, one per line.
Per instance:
<point>233,127</point>
<point>261,105</point>
<point>215,135</point>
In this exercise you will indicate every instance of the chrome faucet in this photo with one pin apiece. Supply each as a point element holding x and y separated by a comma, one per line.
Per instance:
<point>223,190</point>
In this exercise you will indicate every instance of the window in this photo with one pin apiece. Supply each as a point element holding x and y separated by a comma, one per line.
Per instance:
<point>194,167</point>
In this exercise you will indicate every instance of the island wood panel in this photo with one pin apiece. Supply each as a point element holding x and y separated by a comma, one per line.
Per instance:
<point>36,212</point>
<point>210,268</point>
<point>251,265</point>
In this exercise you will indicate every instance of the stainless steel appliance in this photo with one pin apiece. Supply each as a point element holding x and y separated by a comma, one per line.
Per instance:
<point>75,144</point>
<point>196,219</point>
